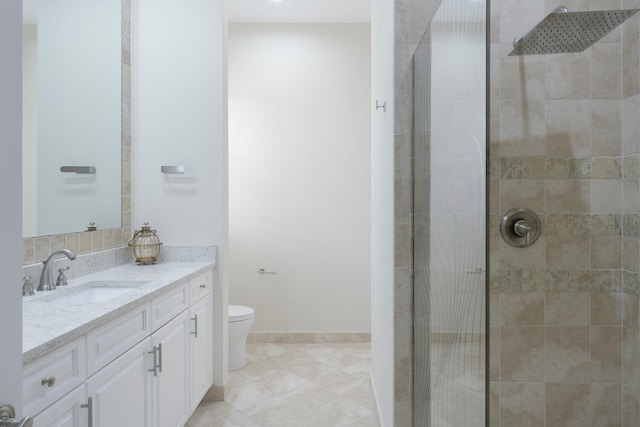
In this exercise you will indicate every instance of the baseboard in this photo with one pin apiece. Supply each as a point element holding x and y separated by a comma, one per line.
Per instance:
<point>216,393</point>
<point>308,337</point>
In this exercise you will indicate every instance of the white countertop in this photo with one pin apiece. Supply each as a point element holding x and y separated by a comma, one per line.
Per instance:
<point>51,321</point>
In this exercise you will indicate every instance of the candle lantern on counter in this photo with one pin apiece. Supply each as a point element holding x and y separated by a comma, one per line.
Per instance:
<point>145,245</point>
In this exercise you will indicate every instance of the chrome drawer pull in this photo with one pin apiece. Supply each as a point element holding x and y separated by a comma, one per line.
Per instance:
<point>195,332</point>
<point>89,406</point>
<point>155,362</point>
<point>49,382</point>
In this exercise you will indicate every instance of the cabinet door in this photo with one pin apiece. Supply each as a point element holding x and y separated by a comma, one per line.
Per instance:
<point>201,338</point>
<point>66,412</point>
<point>120,391</point>
<point>171,384</point>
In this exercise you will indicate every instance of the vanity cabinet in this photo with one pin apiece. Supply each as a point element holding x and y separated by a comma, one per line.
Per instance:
<point>170,373</point>
<point>120,391</point>
<point>148,368</point>
<point>66,412</point>
<point>201,346</point>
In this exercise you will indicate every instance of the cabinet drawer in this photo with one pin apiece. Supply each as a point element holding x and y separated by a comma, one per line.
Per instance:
<point>111,340</point>
<point>169,305</point>
<point>200,286</point>
<point>67,411</point>
<point>53,376</point>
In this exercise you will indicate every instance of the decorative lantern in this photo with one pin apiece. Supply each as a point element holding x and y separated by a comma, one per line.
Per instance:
<point>145,245</point>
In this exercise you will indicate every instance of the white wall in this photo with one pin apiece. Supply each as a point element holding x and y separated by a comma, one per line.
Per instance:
<point>10,194</point>
<point>299,175</point>
<point>179,118</point>
<point>382,215</point>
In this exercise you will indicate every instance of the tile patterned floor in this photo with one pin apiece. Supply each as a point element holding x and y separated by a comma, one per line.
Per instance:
<point>296,385</point>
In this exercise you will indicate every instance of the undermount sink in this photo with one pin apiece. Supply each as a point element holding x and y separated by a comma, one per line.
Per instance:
<point>94,291</point>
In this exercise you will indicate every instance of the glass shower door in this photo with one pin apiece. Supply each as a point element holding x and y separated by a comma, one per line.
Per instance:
<point>450,218</point>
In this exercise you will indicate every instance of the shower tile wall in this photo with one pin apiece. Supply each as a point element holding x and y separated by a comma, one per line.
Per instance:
<point>565,347</point>
<point>631,209</point>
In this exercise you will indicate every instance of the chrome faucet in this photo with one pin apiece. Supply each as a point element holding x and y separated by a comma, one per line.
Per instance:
<point>46,278</point>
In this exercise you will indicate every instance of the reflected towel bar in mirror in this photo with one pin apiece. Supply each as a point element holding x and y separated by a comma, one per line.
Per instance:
<point>78,169</point>
<point>174,170</point>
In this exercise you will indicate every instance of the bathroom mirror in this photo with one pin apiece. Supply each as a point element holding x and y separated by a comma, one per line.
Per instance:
<point>72,97</point>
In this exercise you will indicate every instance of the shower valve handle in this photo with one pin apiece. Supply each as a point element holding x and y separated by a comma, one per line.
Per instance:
<point>520,227</point>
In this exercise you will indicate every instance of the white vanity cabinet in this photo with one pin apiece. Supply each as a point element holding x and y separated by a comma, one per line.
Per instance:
<point>149,367</point>
<point>120,392</point>
<point>70,411</point>
<point>201,349</point>
<point>170,376</point>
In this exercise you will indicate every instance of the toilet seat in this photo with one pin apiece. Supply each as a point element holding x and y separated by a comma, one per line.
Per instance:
<point>238,313</point>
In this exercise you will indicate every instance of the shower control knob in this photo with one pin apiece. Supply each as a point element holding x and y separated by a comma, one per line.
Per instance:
<point>520,227</point>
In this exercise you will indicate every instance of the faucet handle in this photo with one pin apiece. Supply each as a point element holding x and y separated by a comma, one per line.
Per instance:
<point>62,279</point>
<point>27,287</point>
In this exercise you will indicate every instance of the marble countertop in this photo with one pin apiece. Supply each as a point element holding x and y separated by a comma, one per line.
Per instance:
<point>50,320</point>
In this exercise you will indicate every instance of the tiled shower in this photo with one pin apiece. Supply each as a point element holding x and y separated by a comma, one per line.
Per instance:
<point>564,141</point>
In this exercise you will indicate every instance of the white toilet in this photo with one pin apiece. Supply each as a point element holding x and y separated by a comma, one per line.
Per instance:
<point>240,320</point>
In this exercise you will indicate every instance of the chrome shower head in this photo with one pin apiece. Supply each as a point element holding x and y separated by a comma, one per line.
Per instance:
<point>569,32</point>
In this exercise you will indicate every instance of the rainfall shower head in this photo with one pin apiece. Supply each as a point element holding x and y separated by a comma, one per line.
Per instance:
<point>569,32</point>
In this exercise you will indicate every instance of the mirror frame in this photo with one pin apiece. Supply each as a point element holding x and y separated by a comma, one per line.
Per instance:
<point>36,249</point>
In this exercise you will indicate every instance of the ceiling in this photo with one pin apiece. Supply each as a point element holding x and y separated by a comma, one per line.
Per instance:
<point>300,11</point>
<point>289,11</point>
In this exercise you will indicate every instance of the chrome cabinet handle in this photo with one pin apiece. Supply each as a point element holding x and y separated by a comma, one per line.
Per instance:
<point>195,332</point>
<point>89,406</point>
<point>155,362</point>
<point>160,357</point>
<point>203,286</point>
<point>49,382</point>
<point>263,271</point>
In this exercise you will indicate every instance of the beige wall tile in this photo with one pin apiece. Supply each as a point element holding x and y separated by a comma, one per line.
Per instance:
<point>522,193</point>
<point>606,353</point>
<point>630,58</point>
<point>558,67</point>
<point>606,252</point>
<point>522,128</point>
<point>606,127</point>
<point>630,254</point>
<point>606,167</point>
<point>606,196</point>
<point>566,356</point>
<point>534,168</point>
<point>630,125</point>
<point>522,404</point>
<point>568,252</point>
<point>606,405</point>
<point>630,407</point>
<point>522,309</point>
<point>567,308</point>
<point>522,354</point>
<point>630,357</point>
<point>568,127</point>
<point>494,356</point>
<point>521,77</point>
<point>606,308</point>
<point>532,257</point>
<point>631,315</point>
<point>567,404</point>
<point>606,71</point>
<point>568,196</point>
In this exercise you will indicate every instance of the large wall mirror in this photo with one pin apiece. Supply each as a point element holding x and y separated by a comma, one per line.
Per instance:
<point>72,115</point>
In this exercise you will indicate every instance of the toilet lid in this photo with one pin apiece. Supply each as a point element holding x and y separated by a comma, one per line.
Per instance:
<point>239,312</point>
